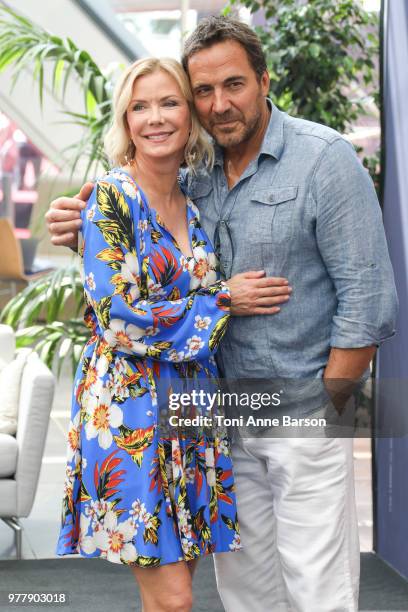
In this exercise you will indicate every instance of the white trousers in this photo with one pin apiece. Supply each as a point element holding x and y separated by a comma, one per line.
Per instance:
<point>296,508</point>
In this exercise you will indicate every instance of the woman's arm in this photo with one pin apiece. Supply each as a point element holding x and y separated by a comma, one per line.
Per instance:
<point>115,281</point>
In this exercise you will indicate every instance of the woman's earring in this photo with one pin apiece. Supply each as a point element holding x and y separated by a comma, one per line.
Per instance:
<point>130,151</point>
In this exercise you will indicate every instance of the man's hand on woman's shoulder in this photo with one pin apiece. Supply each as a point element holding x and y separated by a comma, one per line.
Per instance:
<point>64,217</point>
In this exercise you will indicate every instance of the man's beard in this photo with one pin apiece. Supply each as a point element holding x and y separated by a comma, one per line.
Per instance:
<point>232,137</point>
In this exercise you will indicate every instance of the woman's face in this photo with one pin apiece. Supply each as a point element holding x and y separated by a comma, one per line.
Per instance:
<point>158,117</point>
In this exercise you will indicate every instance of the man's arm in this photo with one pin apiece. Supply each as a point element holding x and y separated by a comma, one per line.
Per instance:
<point>351,240</point>
<point>63,218</point>
<point>344,369</point>
<point>349,364</point>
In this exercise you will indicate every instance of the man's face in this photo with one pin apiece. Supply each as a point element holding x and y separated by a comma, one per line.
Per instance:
<point>229,98</point>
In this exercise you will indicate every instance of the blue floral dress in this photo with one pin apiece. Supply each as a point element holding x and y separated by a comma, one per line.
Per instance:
<point>132,495</point>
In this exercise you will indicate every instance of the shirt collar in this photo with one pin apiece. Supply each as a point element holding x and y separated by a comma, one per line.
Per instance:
<point>273,141</point>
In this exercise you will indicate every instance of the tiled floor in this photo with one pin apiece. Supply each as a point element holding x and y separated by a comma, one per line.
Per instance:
<point>42,526</point>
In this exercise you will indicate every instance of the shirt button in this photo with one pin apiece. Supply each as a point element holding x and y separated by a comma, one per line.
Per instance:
<point>271,198</point>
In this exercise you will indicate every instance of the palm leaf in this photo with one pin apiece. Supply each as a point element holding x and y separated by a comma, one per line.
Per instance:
<point>135,441</point>
<point>103,311</point>
<point>37,315</point>
<point>218,332</point>
<point>156,349</point>
<point>111,232</point>
<point>24,45</point>
<point>114,207</point>
<point>142,561</point>
<point>107,478</point>
<point>230,523</point>
<point>200,524</point>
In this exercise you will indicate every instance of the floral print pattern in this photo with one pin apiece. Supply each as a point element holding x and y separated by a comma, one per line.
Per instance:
<point>131,494</point>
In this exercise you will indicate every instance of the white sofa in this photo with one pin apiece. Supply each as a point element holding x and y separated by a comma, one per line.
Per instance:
<point>21,454</point>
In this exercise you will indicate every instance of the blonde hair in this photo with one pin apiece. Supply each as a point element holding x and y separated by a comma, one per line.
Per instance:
<point>118,148</point>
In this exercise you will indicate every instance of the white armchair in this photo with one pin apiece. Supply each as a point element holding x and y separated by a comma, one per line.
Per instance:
<point>21,454</point>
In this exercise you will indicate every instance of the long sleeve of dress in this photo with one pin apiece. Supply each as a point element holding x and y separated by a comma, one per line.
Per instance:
<point>117,277</point>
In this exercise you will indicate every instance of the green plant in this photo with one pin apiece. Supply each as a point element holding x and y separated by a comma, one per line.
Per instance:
<point>26,45</point>
<point>38,314</point>
<point>373,165</point>
<point>321,58</point>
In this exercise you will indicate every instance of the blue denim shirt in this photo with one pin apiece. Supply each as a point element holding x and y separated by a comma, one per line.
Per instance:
<point>305,209</point>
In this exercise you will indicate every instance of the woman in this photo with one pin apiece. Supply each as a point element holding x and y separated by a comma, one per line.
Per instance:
<point>157,311</point>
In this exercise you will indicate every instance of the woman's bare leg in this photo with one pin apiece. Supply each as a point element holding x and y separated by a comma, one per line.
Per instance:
<point>167,588</point>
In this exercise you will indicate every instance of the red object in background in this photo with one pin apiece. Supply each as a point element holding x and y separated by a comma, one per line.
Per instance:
<point>23,201</point>
<point>22,232</point>
<point>8,147</point>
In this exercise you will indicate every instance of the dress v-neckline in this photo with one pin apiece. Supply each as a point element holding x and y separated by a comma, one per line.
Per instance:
<point>162,224</point>
<point>159,220</point>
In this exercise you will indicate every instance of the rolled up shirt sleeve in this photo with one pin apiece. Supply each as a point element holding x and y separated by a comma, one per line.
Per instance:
<point>352,243</point>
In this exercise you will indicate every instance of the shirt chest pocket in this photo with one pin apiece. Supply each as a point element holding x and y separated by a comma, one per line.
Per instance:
<point>271,214</point>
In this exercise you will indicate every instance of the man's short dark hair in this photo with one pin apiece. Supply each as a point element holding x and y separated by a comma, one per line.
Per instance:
<point>213,30</point>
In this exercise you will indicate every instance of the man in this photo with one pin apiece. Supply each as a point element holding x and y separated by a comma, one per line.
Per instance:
<point>289,197</point>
